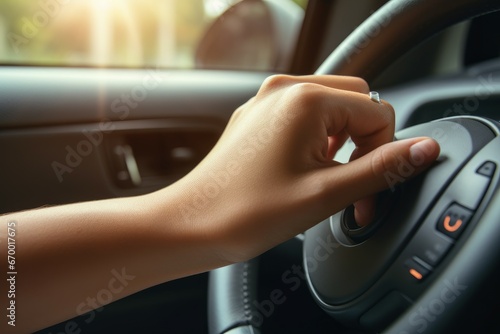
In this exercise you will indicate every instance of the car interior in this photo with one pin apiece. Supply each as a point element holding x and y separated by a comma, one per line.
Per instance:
<point>100,100</point>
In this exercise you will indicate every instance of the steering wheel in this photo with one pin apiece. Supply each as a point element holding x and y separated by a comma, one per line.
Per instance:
<point>415,268</point>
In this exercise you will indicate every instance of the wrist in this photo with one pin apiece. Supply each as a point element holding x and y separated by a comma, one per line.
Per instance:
<point>189,226</point>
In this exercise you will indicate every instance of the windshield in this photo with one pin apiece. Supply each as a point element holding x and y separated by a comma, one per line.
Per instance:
<point>106,33</point>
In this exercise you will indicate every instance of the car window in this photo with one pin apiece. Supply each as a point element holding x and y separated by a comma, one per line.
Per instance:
<point>146,33</point>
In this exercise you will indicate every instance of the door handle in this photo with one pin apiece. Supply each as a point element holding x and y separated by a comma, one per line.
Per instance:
<point>131,169</point>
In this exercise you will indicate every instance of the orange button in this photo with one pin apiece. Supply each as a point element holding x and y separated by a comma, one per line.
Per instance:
<point>453,220</point>
<point>453,226</point>
<point>416,274</point>
<point>417,268</point>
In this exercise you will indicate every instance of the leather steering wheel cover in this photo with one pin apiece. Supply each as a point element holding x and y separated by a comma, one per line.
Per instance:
<point>365,53</point>
<point>231,291</point>
<point>396,28</point>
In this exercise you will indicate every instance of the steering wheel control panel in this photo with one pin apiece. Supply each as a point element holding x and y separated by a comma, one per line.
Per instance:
<point>368,282</point>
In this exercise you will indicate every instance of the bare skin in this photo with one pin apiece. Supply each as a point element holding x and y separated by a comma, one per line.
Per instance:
<point>270,177</point>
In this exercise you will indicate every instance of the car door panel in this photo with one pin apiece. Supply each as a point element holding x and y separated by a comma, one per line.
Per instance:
<point>63,131</point>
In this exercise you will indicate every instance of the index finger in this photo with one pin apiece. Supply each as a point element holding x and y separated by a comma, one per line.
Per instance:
<point>368,123</point>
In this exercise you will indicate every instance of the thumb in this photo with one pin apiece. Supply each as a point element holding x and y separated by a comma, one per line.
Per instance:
<point>382,168</point>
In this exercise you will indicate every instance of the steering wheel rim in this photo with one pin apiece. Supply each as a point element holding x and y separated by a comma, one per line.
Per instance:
<point>370,48</point>
<point>365,53</point>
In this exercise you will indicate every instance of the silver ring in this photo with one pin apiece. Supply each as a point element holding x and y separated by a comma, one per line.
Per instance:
<point>375,97</point>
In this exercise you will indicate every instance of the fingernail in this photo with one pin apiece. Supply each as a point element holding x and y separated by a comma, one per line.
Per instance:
<point>422,151</point>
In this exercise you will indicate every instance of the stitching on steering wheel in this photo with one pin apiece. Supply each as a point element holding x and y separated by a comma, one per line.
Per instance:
<point>245,292</point>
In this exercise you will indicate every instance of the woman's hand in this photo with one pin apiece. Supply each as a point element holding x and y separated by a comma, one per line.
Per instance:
<point>271,175</point>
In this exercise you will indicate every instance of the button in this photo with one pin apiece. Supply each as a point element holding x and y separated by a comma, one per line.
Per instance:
<point>454,220</point>
<point>417,268</point>
<point>434,247</point>
<point>487,169</point>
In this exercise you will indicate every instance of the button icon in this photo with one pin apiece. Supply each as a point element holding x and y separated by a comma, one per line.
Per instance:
<point>455,225</point>
<point>416,274</point>
<point>487,169</point>
<point>417,268</point>
<point>453,221</point>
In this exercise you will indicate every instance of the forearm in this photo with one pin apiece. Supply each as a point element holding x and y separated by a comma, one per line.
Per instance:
<point>71,259</point>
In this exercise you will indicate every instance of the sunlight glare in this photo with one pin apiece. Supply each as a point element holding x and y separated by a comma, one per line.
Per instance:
<point>215,8</point>
<point>103,4</point>
<point>101,32</point>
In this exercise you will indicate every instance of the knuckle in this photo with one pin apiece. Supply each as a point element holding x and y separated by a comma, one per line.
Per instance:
<point>303,94</point>
<point>275,81</point>
<point>360,84</point>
